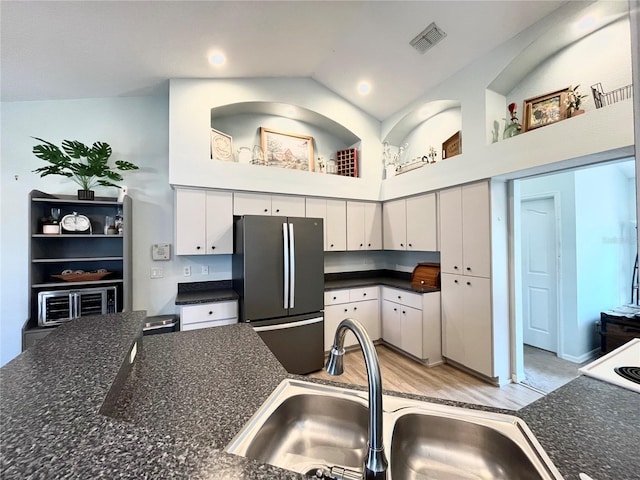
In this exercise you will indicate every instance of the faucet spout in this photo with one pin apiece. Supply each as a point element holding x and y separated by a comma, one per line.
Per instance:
<point>375,464</point>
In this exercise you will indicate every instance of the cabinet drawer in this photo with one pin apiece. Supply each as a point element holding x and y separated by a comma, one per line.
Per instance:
<point>364,293</point>
<point>335,297</point>
<point>403,297</point>
<point>209,311</point>
<point>208,324</point>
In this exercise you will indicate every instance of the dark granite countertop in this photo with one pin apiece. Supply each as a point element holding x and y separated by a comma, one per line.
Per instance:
<point>205,292</point>
<point>189,393</point>
<point>193,293</point>
<point>387,278</point>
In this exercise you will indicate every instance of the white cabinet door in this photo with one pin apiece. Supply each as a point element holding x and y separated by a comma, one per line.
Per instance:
<point>467,322</point>
<point>287,206</point>
<point>317,208</point>
<point>190,226</point>
<point>478,325</point>
<point>391,323</point>
<point>355,226</point>
<point>368,314</point>
<point>411,331</point>
<point>219,223</point>
<point>373,226</point>
<point>336,225</point>
<point>431,329</point>
<point>251,204</point>
<point>451,230</point>
<point>453,327</point>
<point>476,230</point>
<point>421,223</point>
<point>394,225</point>
<point>333,315</point>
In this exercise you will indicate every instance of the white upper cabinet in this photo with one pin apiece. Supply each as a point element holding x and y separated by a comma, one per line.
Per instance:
<point>421,223</point>
<point>265,204</point>
<point>364,226</point>
<point>373,225</point>
<point>465,230</point>
<point>287,206</point>
<point>204,222</point>
<point>394,220</point>
<point>336,225</point>
<point>251,204</point>
<point>410,224</point>
<point>476,229</point>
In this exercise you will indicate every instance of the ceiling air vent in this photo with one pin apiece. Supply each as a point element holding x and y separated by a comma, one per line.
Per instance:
<point>428,38</point>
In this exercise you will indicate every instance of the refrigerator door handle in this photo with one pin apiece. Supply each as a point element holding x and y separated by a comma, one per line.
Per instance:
<point>283,326</point>
<point>285,243</point>
<point>292,271</point>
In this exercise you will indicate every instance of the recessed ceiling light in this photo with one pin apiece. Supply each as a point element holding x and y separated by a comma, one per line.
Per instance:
<point>217,59</point>
<point>586,22</point>
<point>364,88</point>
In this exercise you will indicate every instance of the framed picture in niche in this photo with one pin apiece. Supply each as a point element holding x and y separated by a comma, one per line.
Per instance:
<point>287,150</point>
<point>221,146</point>
<point>545,109</point>
<point>452,146</point>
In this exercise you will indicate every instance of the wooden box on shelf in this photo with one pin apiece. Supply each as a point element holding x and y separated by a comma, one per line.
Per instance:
<point>347,162</point>
<point>453,145</point>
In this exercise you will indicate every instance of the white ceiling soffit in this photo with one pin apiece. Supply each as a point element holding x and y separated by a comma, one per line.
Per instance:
<point>80,49</point>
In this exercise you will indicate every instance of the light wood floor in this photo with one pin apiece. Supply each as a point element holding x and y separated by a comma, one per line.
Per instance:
<point>402,374</point>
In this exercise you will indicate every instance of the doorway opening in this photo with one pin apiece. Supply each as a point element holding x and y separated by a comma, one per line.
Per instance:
<point>574,252</point>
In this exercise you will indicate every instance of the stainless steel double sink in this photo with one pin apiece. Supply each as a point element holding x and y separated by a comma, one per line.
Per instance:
<point>306,427</point>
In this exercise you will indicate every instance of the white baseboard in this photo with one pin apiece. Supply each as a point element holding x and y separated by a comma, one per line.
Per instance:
<point>582,358</point>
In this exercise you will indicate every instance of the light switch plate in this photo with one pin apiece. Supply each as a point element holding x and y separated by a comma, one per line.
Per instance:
<point>157,272</point>
<point>205,270</point>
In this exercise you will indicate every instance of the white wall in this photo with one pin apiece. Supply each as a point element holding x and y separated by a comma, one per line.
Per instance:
<point>191,101</point>
<point>602,272</point>
<point>137,130</point>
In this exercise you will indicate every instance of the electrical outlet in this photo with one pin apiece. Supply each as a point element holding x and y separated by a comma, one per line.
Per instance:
<point>205,270</point>
<point>187,271</point>
<point>157,272</point>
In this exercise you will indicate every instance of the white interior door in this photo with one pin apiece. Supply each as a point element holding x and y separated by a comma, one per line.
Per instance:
<point>540,273</point>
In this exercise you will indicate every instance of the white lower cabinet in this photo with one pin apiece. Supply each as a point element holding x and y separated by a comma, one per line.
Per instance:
<point>360,304</point>
<point>411,322</point>
<point>466,322</point>
<point>205,315</point>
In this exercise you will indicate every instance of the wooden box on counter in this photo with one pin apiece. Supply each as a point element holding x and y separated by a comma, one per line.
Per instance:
<point>426,275</point>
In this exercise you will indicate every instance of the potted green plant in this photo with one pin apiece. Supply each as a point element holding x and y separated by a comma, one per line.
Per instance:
<point>87,166</point>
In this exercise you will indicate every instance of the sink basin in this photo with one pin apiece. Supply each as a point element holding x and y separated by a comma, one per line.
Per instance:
<point>305,426</point>
<point>304,429</point>
<point>432,446</point>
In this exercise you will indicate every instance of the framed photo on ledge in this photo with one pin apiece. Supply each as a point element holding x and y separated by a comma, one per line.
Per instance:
<point>221,146</point>
<point>287,150</point>
<point>545,109</point>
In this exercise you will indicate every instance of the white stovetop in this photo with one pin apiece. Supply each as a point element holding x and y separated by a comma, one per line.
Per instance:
<point>626,355</point>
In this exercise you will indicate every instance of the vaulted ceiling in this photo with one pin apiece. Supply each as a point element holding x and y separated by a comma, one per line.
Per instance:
<point>80,49</point>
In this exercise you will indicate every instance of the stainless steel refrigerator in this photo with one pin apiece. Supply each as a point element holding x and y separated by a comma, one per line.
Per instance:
<point>278,271</point>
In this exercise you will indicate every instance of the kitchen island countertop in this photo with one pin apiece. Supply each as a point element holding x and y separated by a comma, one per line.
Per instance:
<point>190,392</point>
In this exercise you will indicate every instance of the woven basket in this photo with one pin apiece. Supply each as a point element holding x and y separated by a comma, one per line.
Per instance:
<point>82,277</point>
